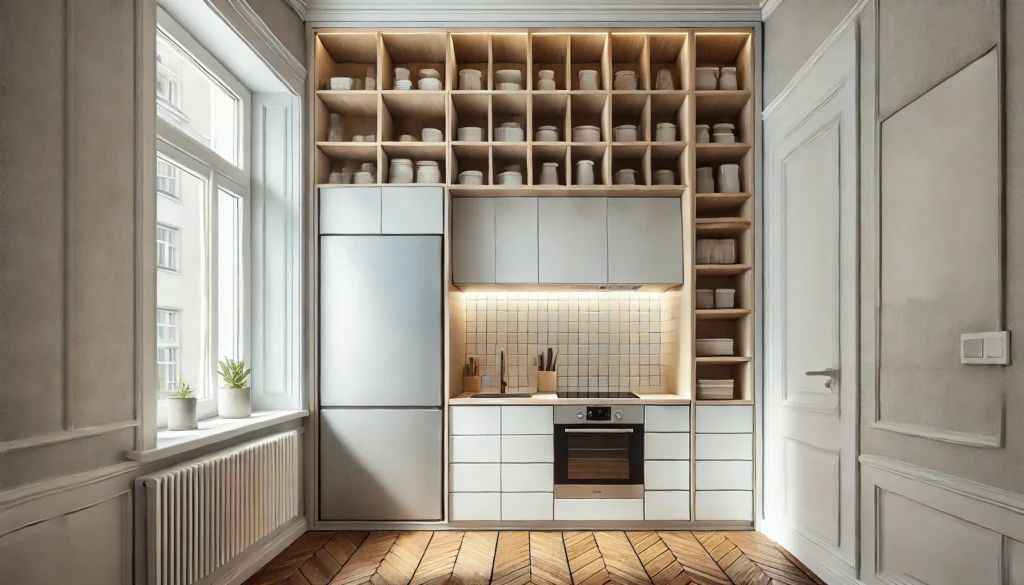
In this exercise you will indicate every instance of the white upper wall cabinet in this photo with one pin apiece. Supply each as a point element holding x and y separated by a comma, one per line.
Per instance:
<point>573,236</point>
<point>412,210</point>
<point>516,240</point>
<point>645,240</point>
<point>473,240</point>
<point>352,210</point>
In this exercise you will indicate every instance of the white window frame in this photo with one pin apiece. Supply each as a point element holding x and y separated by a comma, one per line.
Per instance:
<point>174,246</point>
<point>181,149</point>
<point>168,344</point>
<point>173,180</point>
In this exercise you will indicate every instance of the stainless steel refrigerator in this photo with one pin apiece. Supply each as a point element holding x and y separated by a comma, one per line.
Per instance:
<point>381,353</point>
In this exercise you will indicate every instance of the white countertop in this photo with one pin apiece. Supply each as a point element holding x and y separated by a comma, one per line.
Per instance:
<point>658,398</point>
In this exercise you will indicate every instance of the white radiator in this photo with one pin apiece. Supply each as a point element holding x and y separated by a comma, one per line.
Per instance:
<point>202,513</point>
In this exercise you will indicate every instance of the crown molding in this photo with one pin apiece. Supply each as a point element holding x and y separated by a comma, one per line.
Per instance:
<point>525,12</point>
<point>262,30</point>
<point>767,7</point>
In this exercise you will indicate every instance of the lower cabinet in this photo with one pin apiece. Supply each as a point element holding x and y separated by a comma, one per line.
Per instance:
<point>668,505</point>
<point>527,477</point>
<point>724,505</point>
<point>527,506</point>
<point>474,477</point>
<point>474,506</point>
<point>599,509</point>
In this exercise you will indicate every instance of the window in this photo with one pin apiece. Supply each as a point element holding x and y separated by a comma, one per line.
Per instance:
<point>166,179</point>
<point>166,247</point>
<point>202,223</point>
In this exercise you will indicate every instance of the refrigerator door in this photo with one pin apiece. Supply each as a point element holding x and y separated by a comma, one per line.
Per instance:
<point>380,464</point>
<point>380,321</point>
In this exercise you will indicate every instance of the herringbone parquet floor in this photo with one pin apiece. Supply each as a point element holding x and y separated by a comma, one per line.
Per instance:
<point>534,558</point>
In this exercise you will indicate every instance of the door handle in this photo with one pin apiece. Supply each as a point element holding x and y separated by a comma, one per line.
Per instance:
<point>832,374</point>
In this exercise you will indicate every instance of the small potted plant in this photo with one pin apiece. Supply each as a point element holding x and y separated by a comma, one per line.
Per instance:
<point>181,408</point>
<point>234,399</point>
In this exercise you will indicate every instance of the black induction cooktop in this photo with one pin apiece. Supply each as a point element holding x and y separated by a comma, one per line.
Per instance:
<point>590,395</point>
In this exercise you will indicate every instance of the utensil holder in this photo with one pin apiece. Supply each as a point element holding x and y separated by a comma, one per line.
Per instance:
<point>547,382</point>
<point>471,384</point>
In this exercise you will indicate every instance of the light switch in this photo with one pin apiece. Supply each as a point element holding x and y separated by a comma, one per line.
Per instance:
<point>990,348</point>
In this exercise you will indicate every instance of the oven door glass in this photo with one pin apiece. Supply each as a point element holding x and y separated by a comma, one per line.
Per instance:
<point>592,454</point>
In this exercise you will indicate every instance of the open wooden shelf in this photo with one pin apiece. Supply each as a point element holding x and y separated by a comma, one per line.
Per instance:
<point>715,202</point>
<point>721,314</point>
<point>721,226</point>
<point>563,191</point>
<point>721,269</point>
<point>415,150</point>
<point>722,360</point>
<point>716,153</point>
<point>721,104</point>
<point>364,151</point>
<point>727,402</point>
<point>350,103</point>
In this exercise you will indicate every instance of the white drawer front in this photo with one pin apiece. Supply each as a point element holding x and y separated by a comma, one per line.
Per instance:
<point>479,449</point>
<point>599,509</point>
<point>527,506</point>
<point>475,477</point>
<point>350,210</point>
<point>475,420</point>
<point>527,449</point>
<point>725,419</point>
<point>724,475</point>
<point>714,446</point>
<point>667,419</point>
<point>666,505</point>
<point>412,210</point>
<point>666,446</point>
<point>474,507</point>
<point>667,475</point>
<point>724,506</point>
<point>527,420</point>
<point>527,477</point>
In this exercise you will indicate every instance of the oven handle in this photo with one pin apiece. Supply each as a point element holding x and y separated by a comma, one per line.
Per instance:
<point>601,431</point>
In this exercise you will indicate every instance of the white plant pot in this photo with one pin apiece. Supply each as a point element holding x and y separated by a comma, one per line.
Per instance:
<point>181,414</point>
<point>234,402</point>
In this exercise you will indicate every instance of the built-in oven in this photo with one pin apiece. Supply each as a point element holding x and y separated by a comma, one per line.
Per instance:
<point>599,451</point>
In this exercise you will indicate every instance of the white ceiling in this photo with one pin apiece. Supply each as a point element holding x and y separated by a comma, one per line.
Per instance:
<point>532,13</point>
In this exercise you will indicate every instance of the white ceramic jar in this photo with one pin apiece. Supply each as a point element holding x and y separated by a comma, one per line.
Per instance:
<point>625,177</point>
<point>665,132</point>
<point>725,133</point>
<point>432,135</point>
<point>624,133</point>
<point>546,134</point>
<point>707,78</point>
<point>625,80</point>
<point>470,79</point>
<point>585,172</point>
<point>401,74</point>
<point>664,177</point>
<point>471,134</point>
<point>705,180</point>
<point>727,79</point>
<point>371,78</point>
<point>703,134</point>
<point>664,80</point>
<point>586,134</point>
<point>428,171</point>
<point>335,133</point>
<point>341,83</point>
<point>429,84</point>
<point>587,79</point>
<point>471,178</point>
<point>705,298</point>
<point>549,173</point>
<point>729,178</point>
<point>365,178</point>
<point>726,252</point>
<point>546,80</point>
<point>400,171</point>
<point>510,178</point>
<point>725,298</point>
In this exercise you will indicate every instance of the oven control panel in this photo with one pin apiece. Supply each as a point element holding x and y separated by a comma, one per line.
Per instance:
<point>599,413</point>
<point>615,414</point>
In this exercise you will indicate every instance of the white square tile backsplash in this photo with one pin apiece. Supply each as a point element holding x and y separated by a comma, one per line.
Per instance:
<point>606,341</point>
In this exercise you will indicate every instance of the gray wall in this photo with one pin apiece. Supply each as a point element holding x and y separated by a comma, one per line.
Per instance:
<point>921,43</point>
<point>284,23</point>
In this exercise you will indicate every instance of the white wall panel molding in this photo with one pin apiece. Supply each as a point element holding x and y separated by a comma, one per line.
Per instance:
<point>267,37</point>
<point>769,6</point>
<point>577,13</point>
<point>926,527</point>
<point>63,436</point>
<point>849,20</point>
<point>23,495</point>
<point>816,514</point>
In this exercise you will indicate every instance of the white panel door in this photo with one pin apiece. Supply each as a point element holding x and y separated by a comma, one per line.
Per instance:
<point>645,240</point>
<point>573,240</point>
<point>473,240</point>
<point>811,315</point>
<point>515,234</point>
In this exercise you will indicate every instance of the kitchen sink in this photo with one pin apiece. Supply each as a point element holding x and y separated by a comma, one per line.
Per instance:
<point>505,395</point>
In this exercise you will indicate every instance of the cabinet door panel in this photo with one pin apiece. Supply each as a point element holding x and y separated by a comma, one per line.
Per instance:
<point>527,449</point>
<point>474,477</point>
<point>667,475</point>
<point>466,507</point>
<point>667,505</point>
<point>667,419</point>
<point>350,210</point>
<point>724,475</point>
<point>475,420</point>
<point>645,240</point>
<point>516,240</point>
<point>412,210</point>
<point>473,240</point>
<point>573,236</point>
<point>725,505</point>
<point>527,477</point>
<point>527,420</point>
<point>527,506</point>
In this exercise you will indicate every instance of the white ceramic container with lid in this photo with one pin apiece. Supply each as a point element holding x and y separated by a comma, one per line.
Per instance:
<point>725,298</point>
<point>364,178</point>
<point>624,80</point>
<point>471,178</point>
<point>549,173</point>
<point>625,177</point>
<point>703,133</point>
<point>510,178</point>
<point>401,73</point>
<point>729,178</point>
<point>665,132</point>
<point>471,134</point>
<point>587,79</point>
<point>586,134</point>
<point>335,133</point>
<point>705,298</point>
<point>585,172</point>
<point>664,80</point>
<point>407,138</point>
<point>432,135</point>
<point>664,177</point>
<point>707,78</point>
<point>403,84</point>
<point>546,80</point>
<point>705,180</point>
<point>725,133</point>
<point>400,171</point>
<point>509,132</point>
<point>470,79</point>
<point>625,133</point>
<point>429,84</point>
<point>342,83</point>
<point>546,134</point>
<point>727,79</point>
<point>428,171</point>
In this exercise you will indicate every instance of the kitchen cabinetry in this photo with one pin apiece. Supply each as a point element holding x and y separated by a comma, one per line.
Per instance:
<point>350,210</point>
<point>515,250</point>
<point>667,462</point>
<point>573,240</point>
<point>645,240</point>
<point>473,240</point>
<point>381,210</point>
<point>513,442</point>
<point>724,463</point>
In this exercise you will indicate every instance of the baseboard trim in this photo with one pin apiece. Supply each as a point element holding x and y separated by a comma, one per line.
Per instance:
<point>832,576</point>
<point>258,555</point>
<point>1005,499</point>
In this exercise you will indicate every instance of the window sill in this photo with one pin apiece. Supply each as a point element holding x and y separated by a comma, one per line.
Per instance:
<point>212,431</point>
